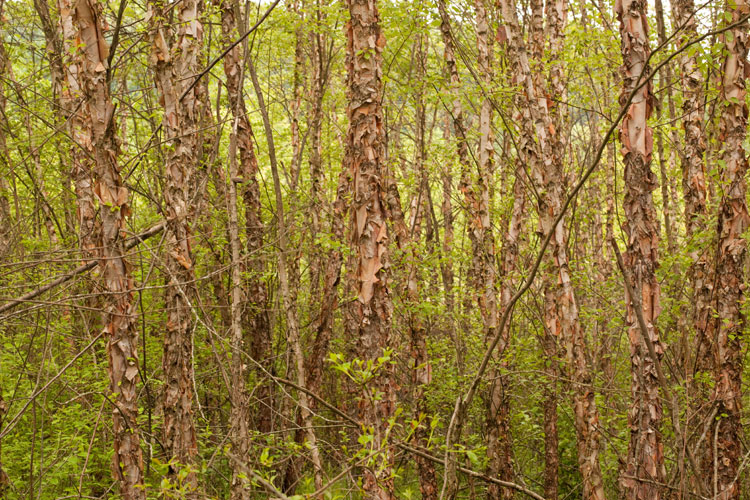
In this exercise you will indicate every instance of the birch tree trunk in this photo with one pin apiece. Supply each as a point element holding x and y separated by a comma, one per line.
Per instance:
<point>545,157</point>
<point>176,60</point>
<point>645,463</point>
<point>100,143</point>
<point>728,322</point>
<point>368,317</point>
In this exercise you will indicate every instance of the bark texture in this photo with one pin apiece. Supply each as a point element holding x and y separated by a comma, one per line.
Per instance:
<point>119,317</point>
<point>71,110</point>
<point>369,315</point>
<point>483,268</point>
<point>645,463</point>
<point>242,174</point>
<point>176,60</point>
<point>695,196</point>
<point>728,322</point>
<point>545,156</point>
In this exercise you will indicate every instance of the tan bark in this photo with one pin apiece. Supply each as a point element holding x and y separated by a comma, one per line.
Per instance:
<point>665,165</point>
<point>446,262</point>
<point>245,172</point>
<point>462,153</point>
<point>71,109</point>
<point>319,75</point>
<point>695,197</point>
<point>483,266</point>
<point>727,324</point>
<point>175,60</point>
<point>368,317</point>
<point>550,343</point>
<point>645,464</point>
<point>545,157</point>
<point>119,317</point>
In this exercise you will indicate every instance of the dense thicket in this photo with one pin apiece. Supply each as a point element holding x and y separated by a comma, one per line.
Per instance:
<point>373,249</point>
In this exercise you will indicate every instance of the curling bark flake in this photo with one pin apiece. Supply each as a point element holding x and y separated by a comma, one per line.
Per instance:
<point>645,464</point>
<point>695,196</point>
<point>71,110</point>
<point>545,157</point>
<point>369,315</point>
<point>175,60</point>
<point>100,143</point>
<point>728,322</point>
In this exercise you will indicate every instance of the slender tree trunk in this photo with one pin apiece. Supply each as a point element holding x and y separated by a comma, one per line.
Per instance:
<point>5,224</point>
<point>645,463</point>
<point>695,197</point>
<point>550,343</point>
<point>245,174</point>
<point>665,82</point>
<point>175,60</point>
<point>70,102</point>
<point>369,315</point>
<point>728,322</point>
<point>483,264</point>
<point>446,261</point>
<point>319,75</point>
<point>408,238</point>
<point>119,316</point>
<point>462,153</point>
<point>288,299</point>
<point>545,157</point>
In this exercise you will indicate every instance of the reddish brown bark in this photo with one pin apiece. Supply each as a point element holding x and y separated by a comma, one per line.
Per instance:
<point>369,315</point>
<point>71,110</point>
<point>175,60</point>
<point>694,176</point>
<point>243,314</point>
<point>119,317</point>
<point>728,323</point>
<point>695,197</point>
<point>645,464</point>
<point>545,156</point>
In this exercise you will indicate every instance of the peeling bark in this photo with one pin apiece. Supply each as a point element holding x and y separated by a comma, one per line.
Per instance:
<point>695,196</point>
<point>368,318</point>
<point>645,463</point>
<point>70,97</point>
<point>176,59</point>
<point>100,143</point>
<point>244,172</point>
<point>545,157</point>
<point>483,269</point>
<point>728,322</point>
